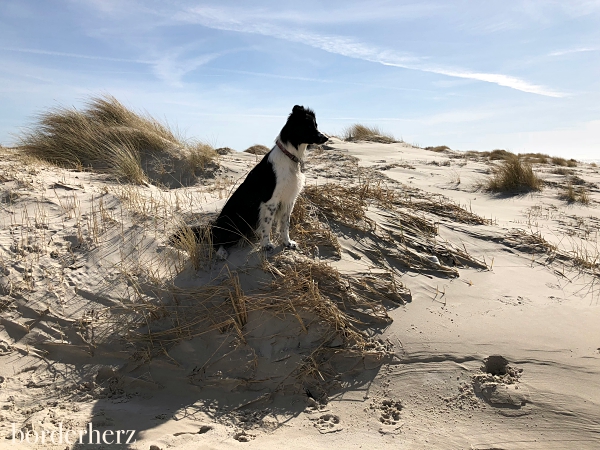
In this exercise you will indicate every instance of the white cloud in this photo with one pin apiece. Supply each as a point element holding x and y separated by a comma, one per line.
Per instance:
<point>74,55</point>
<point>234,20</point>
<point>573,50</point>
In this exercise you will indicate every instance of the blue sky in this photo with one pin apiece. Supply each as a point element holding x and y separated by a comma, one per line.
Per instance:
<point>519,75</point>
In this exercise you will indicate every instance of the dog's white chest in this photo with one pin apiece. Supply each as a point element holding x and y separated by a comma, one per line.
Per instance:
<point>290,179</point>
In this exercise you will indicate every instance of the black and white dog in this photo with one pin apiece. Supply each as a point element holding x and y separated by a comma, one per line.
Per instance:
<point>269,192</point>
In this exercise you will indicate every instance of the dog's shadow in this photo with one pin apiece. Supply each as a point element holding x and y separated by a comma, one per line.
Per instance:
<point>226,354</point>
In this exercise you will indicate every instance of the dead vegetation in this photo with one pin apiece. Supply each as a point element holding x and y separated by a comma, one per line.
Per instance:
<point>514,176</point>
<point>578,256</point>
<point>562,171</point>
<point>322,315</point>
<point>575,195</point>
<point>530,158</point>
<point>358,132</point>
<point>108,137</point>
<point>557,161</point>
<point>438,149</point>
<point>258,149</point>
<point>303,295</point>
<point>407,230</point>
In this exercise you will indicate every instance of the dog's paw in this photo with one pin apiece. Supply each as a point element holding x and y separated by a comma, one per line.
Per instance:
<point>222,254</point>
<point>292,245</point>
<point>268,247</point>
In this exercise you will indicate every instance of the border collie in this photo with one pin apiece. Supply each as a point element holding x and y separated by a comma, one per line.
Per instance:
<point>267,196</point>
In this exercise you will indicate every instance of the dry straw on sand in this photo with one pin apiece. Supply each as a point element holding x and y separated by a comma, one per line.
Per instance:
<point>108,137</point>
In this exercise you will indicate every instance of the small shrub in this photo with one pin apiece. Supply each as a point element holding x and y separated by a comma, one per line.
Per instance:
<point>258,150</point>
<point>514,175</point>
<point>358,132</point>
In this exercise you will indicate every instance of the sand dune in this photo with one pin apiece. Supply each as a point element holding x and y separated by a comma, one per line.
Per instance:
<point>420,312</point>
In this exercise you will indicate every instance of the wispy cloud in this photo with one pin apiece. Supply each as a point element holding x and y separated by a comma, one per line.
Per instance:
<point>75,55</point>
<point>320,80</point>
<point>171,66</point>
<point>499,79</point>
<point>230,20</point>
<point>573,50</point>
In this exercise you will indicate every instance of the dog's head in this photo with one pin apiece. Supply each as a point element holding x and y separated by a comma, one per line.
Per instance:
<point>301,128</point>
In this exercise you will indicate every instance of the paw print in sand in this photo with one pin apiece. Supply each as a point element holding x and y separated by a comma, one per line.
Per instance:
<point>328,423</point>
<point>390,412</point>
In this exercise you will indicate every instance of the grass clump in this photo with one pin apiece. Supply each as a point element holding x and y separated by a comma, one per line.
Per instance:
<point>500,154</point>
<point>438,149</point>
<point>513,176</point>
<point>573,195</point>
<point>562,171</point>
<point>558,161</point>
<point>536,158</point>
<point>258,149</point>
<point>108,137</point>
<point>199,155</point>
<point>358,132</point>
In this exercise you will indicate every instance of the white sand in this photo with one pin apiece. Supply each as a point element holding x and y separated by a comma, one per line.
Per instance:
<point>74,248</point>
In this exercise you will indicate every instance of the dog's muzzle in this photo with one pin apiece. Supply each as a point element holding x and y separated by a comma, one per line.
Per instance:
<point>321,139</point>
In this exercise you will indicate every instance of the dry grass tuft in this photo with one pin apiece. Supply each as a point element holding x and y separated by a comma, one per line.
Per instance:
<point>358,132</point>
<point>106,137</point>
<point>404,234</point>
<point>514,176</point>
<point>572,195</point>
<point>196,242</point>
<point>562,171</point>
<point>224,150</point>
<point>199,155</point>
<point>258,150</point>
<point>532,243</point>
<point>500,154</point>
<point>557,161</point>
<point>438,149</point>
<point>535,158</point>
<point>339,313</point>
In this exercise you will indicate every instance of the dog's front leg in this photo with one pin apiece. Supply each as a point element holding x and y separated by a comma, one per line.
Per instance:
<point>285,227</point>
<point>266,218</point>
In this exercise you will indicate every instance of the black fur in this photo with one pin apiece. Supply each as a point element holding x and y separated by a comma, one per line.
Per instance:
<point>239,217</point>
<point>301,128</point>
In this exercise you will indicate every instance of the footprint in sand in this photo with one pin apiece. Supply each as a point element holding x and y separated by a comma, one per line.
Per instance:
<point>390,412</point>
<point>328,423</point>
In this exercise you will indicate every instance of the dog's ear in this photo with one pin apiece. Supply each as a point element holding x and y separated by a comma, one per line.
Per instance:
<point>298,109</point>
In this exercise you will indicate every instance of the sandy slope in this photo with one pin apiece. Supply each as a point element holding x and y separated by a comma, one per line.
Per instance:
<point>78,252</point>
